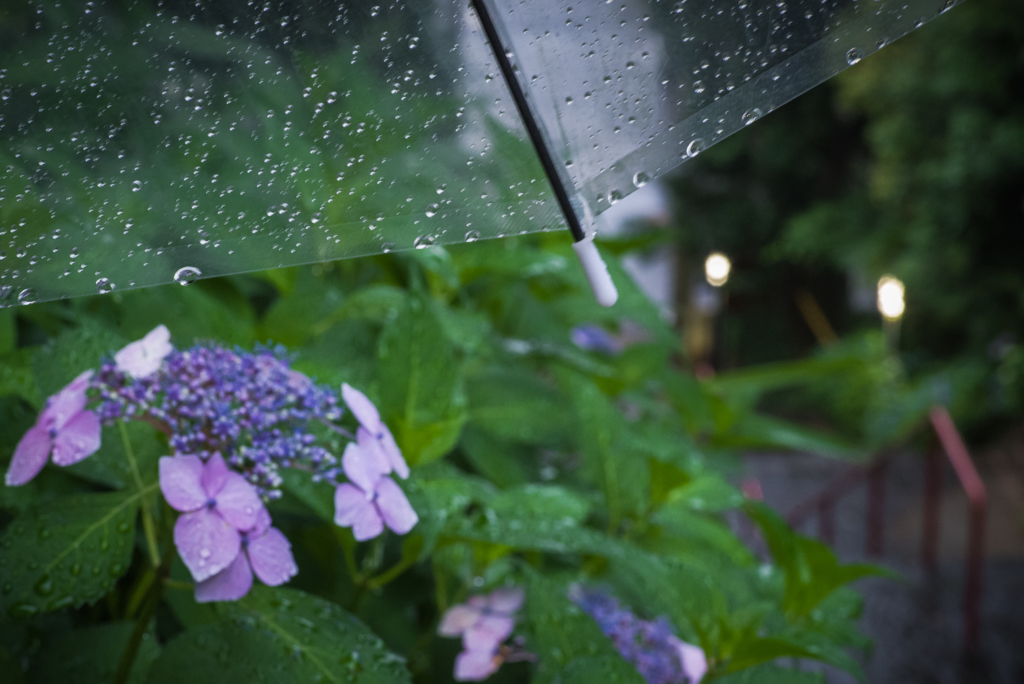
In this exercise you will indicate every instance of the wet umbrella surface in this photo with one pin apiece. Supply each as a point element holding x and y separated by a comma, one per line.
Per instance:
<point>145,142</point>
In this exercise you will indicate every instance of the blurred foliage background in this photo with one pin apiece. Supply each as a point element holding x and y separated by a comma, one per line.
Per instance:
<point>911,163</point>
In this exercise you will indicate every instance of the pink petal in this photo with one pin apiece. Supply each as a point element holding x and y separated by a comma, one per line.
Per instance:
<point>474,666</point>
<point>271,558</point>
<point>361,467</point>
<point>695,664</point>
<point>230,584</point>
<point>488,632</point>
<point>393,453</point>
<point>394,508</point>
<point>79,439</point>
<point>353,510</point>
<point>457,620</point>
<point>215,475</point>
<point>238,502</point>
<point>143,357</point>
<point>180,482</point>
<point>362,408</point>
<point>29,456</point>
<point>506,599</point>
<point>206,543</point>
<point>372,449</point>
<point>67,403</point>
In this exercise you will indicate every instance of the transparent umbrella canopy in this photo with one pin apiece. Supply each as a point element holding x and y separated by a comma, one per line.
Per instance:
<point>154,141</point>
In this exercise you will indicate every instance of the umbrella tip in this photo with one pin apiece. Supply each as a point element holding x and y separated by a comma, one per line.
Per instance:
<point>596,271</point>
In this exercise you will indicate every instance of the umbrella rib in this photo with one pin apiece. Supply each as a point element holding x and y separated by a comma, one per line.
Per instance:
<point>527,115</point>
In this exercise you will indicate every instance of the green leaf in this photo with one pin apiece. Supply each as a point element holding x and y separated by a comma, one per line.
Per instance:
<point>703,535</point>
<point>10,668</point>
<point>706,493</point>
<point>110,465</point>
<point>421,384</point>
<point>531,534</point>
<point>544,502</point>
<point>610,462</point>
<point>17,377</point>
<point>769,674</point>
<point>502,463</point>
<point>811,569</point>
<point>561,633</point>
<point>68,552</point>
<point>319,496</point>
<point>590,669</point>
<point>512,403</point>
<point>92,655</point>
<point>279,635</point>
<point>77,350</point>
<point>754,431</point>
<point>8,331</point>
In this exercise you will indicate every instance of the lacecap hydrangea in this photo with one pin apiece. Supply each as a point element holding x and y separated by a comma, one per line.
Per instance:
<point>234,420</point>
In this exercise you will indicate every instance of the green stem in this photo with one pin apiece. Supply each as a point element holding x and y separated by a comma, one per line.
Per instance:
<point>440,590</point>
<point>391,573</point>
<point>131,649</point>
<point>140,592</point>
<point>147,516</point>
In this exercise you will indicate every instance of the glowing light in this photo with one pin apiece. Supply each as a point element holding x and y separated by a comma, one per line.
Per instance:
<point>716,269</point>
<point>890,298</point>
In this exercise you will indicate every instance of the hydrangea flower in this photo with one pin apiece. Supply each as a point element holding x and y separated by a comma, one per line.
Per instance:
<point>265,551</point>
<point>142,358</point>
<point>373,427</point>
<point>649,645</point>
<point>483,622</point>
<point>65,429</point>
<point>373,500</point>
<point>218,504</point>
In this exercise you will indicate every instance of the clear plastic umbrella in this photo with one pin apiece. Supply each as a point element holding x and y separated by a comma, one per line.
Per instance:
<point>156,140</point>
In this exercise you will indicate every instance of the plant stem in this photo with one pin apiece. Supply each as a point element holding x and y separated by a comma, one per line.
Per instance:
<point>140,592</point>
<point>131,649</point>
<point>391,573</point>
<point>147,516</point>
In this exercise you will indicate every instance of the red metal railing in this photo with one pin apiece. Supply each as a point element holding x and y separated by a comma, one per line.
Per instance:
<point>823,505</point>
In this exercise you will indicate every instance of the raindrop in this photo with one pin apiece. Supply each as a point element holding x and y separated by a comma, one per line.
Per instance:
<point>103,285</point>
<point>695,147</point>
<point>5,95</point>
<point>424,241</point>
<point>678,8</point>
<point>27,296</point>
<point>375,10</point>
<point>641,179</point>
<point>568,100</point>
<point>699,87</point>
<point>43,586</point>
<point>751,115</point>
<point>614,196</point>
<point>186,275</point>
<point>387,247</point>
<point>854,56</point>
<point>472,235</point>
<point>432,210</point>
<point>74,253</point>
<point>413,42</point>
<point>440,191</point>
<point>136,186</point>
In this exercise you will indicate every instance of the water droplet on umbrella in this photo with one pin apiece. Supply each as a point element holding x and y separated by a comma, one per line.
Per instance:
<point>186,275</point>
<point>424,241</point>
<point>751,115</point>
<point>641,179</point>
<point>432,210</point>
<point>472,235</point>
<point>103,285</point>
<point>695,147</point>
<point>854,56</point>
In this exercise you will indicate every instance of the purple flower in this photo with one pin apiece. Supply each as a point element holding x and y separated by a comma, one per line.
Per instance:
<point>483,622</point>
<point>657,654</point>
<point>265,551</point>
<point>369,420</point>
<point>64,428</point>
<point>372,500</point>
<point>591,337</point>
<point>217,504</point>
<point>142,358</point>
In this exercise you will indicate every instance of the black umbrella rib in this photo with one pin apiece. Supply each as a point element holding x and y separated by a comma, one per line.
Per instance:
<point>529,119</point>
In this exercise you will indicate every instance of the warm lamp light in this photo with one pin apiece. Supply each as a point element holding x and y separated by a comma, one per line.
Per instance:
<point>716,269</point>
<point>890,298</point>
